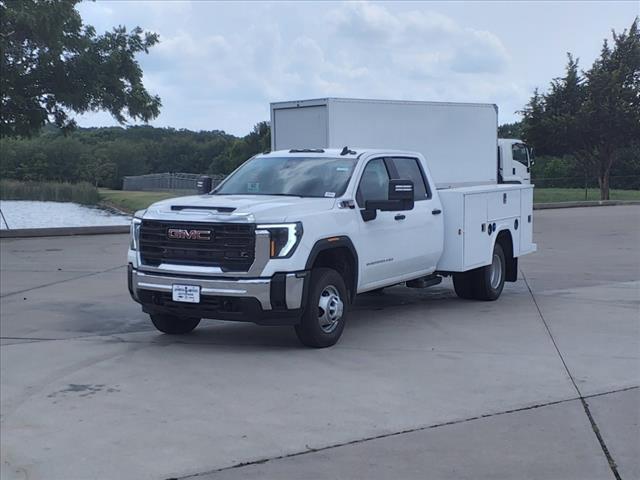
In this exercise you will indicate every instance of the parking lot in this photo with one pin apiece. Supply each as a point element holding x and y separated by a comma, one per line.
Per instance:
<point>543,383</point>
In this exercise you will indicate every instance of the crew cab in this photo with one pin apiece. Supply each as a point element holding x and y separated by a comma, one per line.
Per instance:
<point>292,236</point>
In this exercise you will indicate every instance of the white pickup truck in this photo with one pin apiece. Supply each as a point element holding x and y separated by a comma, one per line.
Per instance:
<point>293,235</point>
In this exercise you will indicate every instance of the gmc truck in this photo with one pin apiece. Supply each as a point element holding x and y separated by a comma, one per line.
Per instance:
<point>293,235</point>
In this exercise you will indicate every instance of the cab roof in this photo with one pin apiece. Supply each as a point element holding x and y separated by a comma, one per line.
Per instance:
<point>351,152</point>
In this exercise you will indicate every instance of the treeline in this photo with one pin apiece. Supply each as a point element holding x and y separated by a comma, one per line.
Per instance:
<point>103,156</point>
<point>569,170</point>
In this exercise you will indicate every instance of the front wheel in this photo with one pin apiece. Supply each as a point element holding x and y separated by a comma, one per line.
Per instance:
<point>173,325</point>
<point>324,316</point>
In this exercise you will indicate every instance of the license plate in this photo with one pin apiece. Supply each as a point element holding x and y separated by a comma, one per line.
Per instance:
<point>186,293</point>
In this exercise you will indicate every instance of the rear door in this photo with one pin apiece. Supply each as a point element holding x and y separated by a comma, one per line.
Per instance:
<point>424,224</point>
<point>300,127</point>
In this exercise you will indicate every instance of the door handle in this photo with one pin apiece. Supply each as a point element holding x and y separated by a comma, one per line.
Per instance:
<point>399,217</point>
<point>436,211</point>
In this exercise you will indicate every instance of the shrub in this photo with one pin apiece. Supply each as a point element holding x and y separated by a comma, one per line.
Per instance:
<point>83,193</point>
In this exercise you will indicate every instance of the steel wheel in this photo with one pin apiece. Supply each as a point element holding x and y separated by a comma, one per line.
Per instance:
<point>496,271</point>
<point>330,308</point>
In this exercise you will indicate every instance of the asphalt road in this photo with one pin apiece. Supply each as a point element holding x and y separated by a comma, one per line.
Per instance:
<point>542,384</point>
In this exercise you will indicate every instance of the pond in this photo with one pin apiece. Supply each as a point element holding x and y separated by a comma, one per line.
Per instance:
<point>36,214</point>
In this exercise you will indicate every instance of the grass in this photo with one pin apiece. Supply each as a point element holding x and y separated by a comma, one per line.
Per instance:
<point>132,201</point>
<point>83,193</point>
<point>549,195</point>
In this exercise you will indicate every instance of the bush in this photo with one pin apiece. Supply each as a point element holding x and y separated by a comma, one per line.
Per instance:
<point>83,193</point>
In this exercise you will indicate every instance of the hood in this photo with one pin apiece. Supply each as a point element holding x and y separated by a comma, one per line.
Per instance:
<point>237,208</point>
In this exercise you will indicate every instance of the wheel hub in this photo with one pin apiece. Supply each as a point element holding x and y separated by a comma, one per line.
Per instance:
<point>496,271</point>
<point>330,309</point>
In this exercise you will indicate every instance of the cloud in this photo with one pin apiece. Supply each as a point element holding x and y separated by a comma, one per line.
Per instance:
<point>218,65</point>
<point>420,41</point>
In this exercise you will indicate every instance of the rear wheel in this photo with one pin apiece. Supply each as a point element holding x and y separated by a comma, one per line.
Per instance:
<point>173,325</point>
<point>464,284</point>
<point>324,316</point>
<point>491,278</point>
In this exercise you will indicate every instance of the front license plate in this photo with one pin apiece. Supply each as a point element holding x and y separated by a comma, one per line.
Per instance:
<point>186,293</point>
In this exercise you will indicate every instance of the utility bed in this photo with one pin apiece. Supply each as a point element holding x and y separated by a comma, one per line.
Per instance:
<point>473,214</point>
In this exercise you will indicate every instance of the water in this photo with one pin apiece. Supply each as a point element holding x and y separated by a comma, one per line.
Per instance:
<point>36,214</point>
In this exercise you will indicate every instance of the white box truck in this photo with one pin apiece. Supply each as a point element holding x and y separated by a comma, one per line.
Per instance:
<point>459,140</point>
<point>293,235</point>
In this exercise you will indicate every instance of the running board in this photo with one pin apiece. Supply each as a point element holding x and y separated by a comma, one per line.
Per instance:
<point>424,282</point>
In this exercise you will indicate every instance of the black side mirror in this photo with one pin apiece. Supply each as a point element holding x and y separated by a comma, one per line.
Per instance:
<point>400,198</point>
<point>401,191</point>
<point>204,185</point>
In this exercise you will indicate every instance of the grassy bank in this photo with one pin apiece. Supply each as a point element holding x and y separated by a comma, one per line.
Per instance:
<point>550,195</point>
<point>83,193</point>
<point>132,201</point>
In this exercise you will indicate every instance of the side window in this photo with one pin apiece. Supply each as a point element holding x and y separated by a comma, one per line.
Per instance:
<point>409,169</point>
<point>519,152</point>
<point>374,183</point>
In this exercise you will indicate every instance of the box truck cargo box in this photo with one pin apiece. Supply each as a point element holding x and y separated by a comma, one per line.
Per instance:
<point>458,140</point>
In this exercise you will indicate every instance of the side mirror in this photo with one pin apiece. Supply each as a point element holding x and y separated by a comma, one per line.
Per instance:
<point>204,185</point>
<point>401,191</point>
<point>400,198</point>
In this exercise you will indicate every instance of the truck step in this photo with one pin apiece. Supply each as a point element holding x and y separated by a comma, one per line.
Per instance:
<point>424,282</point>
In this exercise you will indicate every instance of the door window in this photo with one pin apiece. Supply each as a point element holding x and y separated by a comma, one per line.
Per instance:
<point>519,152</point>
<point>409,169</point>
<point>374,183</point>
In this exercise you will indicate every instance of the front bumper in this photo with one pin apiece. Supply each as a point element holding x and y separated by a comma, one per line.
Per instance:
<point>277,300</point>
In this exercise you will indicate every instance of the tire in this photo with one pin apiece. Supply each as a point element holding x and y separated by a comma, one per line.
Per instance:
<point>464,284</point>
<point>174,325</point>
<point>324,316</point>
<point>491,278</point>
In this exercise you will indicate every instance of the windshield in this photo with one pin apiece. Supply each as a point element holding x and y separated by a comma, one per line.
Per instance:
<point>294,176</point>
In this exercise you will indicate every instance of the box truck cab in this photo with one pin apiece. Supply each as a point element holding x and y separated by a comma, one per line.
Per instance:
<point>293,235</point>
<point>515,159</point>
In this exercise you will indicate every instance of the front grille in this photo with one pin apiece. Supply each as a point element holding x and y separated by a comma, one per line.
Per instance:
<point>231,246</point>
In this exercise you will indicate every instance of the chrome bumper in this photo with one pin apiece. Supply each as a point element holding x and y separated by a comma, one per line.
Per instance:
<point>258,288</point>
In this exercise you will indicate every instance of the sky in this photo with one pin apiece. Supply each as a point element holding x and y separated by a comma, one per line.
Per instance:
<point>219,64</point>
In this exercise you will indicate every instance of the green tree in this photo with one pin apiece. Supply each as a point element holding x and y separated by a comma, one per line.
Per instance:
<point>53,64</point>
<point>594,115</point>
<point>510,130</point>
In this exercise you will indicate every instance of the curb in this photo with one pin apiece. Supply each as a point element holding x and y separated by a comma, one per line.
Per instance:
<point>593,203</point>
<point>64,231</point>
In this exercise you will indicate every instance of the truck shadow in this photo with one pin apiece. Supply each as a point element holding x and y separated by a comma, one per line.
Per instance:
<point>395,305</point>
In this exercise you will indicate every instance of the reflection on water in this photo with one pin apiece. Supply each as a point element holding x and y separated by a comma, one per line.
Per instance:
<point>36,214</point>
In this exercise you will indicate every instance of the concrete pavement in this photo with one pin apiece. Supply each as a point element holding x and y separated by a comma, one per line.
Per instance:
<point>422,384</point>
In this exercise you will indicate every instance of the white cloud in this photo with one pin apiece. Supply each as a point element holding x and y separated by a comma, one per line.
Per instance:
<point>219,64</point>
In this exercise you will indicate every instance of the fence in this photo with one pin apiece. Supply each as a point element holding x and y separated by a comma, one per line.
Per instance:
<point>622,182</point>
<point>165,181</point>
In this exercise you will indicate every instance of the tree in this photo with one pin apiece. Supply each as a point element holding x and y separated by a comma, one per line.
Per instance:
<point>52,64</point>
<point>613,102</point>
<point>594,115</point>
<point>510,130</point>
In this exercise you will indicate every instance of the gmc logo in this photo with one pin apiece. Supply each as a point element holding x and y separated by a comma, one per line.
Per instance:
<point>183,234</point>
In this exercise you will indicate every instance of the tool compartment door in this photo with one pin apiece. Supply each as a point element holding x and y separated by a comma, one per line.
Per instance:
<point>526,221</point>
<point>477,241</point>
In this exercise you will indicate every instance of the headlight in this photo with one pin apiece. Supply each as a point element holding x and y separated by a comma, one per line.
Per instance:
<point>284,238</point>
<point>134,233</point>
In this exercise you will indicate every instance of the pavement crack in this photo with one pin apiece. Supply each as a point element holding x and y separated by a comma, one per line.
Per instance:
<point>582,398</point>
<point>309,449</point>
<point>61,281</point>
